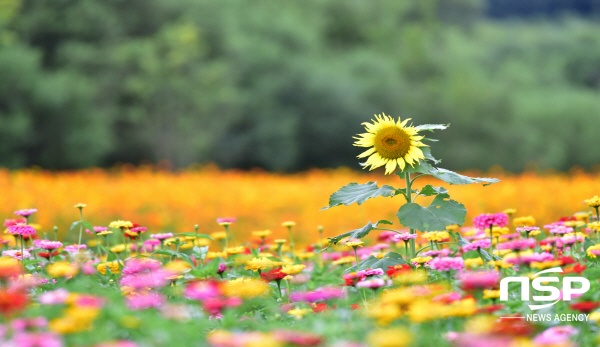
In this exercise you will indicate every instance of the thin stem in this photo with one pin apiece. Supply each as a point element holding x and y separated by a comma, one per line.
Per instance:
<point>23,255</point>
<point>356,256</point>
<point>408,196</point>
<point>292,242</point>
<point>491,238</point>
<point>597,215</point>
<point>230,233</point>
<point>81,224</point>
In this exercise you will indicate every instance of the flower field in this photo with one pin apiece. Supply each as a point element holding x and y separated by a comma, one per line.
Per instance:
<point>136,257</point>
<point>175,202</point>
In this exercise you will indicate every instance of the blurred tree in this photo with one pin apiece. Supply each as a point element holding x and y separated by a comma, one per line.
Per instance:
<point>285,86</point>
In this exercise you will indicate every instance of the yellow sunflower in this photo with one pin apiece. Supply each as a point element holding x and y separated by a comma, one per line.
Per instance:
<point>394,144</point>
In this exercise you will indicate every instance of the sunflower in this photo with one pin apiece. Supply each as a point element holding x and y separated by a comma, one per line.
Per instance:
<point>394,144</point>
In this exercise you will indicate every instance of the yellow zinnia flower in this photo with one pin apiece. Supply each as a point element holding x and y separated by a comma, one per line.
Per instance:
<point>259,264</point>
<point>593,202</point>
<point>262,233</point>
<point>292,269</point>
<point>354,244</point>
<point>62,269</point>
<point>112,265</point>
<point>121,224</point>
<point>245,287</point>
<point>393,144</point>
<point>288,224</point>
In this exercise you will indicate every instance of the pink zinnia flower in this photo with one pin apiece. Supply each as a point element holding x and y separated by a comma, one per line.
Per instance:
<point>483,221</point>
<point>372,283</point>
<point>48,245</point>
<point>529,258</point>
<point>9,222</point>
<point>21,229</point>
<point>479,280</point>
<point>55,297</point>
<point>447,263</point>
<point>139,230</point>
<point>74,248</point>
<point>144,301</point>
<point>556,336</point>
<point>436,253</point>
<point>134,266</point>
<point>525,229</point>
<point>404,237</point>
<point>26,212</point>
<point>518,245</point>
<point>161,236</point>
<point>317,295</point>
<point>475,245</point>
<point>202,290</point>
<point>43,339</point>
<point>96,230</point>
<point>561,229</point>
<point>152,279</point>
<point>226,220</point>
<point>25,323</point>
<point>386,236</point>
<point>16,254</point>
<point>446,298</point>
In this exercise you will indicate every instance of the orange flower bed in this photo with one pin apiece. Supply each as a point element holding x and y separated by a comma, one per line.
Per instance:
<point>176,201</point>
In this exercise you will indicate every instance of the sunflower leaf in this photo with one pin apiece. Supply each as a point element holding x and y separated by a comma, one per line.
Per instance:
<point>357,233</point>
<point>441,213</point>
<point>427,154</point>
<point>390,259</point>
<point>455,178</point>
<point>432,127</point>
<point>430,190</point>
<point>358,193</point>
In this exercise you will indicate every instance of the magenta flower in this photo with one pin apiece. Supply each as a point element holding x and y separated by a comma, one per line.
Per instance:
<point>47,244</point>
<point>318,295</point>
<point>372,283</point>
<point>42,339</point>
<point>202,290</point>
<point>483,221</point>
<point>527,229</point>
<point>152,279</point>
<point>403,237</point>
<point>26,323</point>
<point>475,245</point>
<point>226,220</point>
<point>96,230</point>
<point>162,236</point>
<point>134,266</point>
<point>138,230</point>
<point>447,263</point>
<point>436,253</point>
<point>21,229</point>
<point>478,279</point>
<point>26,212</point>
<point>145,301</point>
<point>9,222</point>
<point>529,258</point>
<point>74,248</point>
<point>16,254</point>
<point>556,336</point>
<point>561,229</point>
<point>55,297</point>
<point>518,245</point>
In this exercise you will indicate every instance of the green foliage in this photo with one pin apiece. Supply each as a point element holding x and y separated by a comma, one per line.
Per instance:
<point>91,83</point>
<point>390,259</point>
<point>358,233</point>
<point>358,193</point>
<point>441,213</point>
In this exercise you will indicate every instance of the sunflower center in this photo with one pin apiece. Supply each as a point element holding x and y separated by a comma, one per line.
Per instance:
<point>392,142</point>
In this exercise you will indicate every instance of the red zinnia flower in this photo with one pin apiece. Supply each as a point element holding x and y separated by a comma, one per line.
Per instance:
<point>584,306</point>
<point>512,326</point>
<point>12,302</point>
<point>395,270</point>
<point>567,260</point>
<point>490,308</point>
<point>320,307</point>
<point>47,254</point>
<point>273,275</point>
<point>355,306</point>
<point>577,268</point>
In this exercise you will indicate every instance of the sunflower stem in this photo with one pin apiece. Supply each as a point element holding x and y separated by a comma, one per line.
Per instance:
<point>408,195</point>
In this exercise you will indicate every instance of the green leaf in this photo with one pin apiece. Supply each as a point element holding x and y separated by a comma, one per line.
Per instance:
<point>430,190</point>
<point>357,233</point>
<point>358,193</point>
<point>455,178</point>
<point>423,167</point>
<point>111,256</point>
<point>390,259</point>
<point>441,213</point>
<point>75,226</point>
<point>200,252</point>
<point>591,274</point>
<point>432,127</point>
<point>587,243</point>
<point>194,235</point>
<point>427,154</point>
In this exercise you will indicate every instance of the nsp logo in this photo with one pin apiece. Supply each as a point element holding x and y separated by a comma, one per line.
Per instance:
<point>537,284</point>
